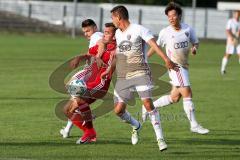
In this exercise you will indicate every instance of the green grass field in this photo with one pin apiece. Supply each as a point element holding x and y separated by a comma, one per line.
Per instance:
<point>29,128</point>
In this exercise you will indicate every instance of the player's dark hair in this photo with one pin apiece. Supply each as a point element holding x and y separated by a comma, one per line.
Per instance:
<point>111,25</point>
<point>88,22</point>
<point>121,11</point>
<point>173,6</point>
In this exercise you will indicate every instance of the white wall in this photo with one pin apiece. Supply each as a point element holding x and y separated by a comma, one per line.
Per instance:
<point>210,23</point>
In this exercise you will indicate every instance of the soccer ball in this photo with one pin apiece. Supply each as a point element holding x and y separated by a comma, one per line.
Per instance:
<point>77,87</point>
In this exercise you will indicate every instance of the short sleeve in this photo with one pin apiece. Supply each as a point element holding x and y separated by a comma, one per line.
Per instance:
<point>228,26</point>
<point>161,39</point>
<point>95,38</point>
<point>193,36</point>
<point>145,34</point>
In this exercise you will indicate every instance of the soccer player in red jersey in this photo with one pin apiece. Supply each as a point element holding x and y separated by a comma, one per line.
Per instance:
<point>96,87</point>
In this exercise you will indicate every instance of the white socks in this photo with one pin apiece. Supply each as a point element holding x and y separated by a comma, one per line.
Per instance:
<point>68,126</point>
<point>162,101</point>
<point>224,64</point>
<point>188,107</point>
<point>155,120</point>
<point>126,117</point>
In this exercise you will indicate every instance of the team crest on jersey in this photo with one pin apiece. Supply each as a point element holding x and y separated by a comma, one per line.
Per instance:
<point>128,36</point>
<point>187,34</point>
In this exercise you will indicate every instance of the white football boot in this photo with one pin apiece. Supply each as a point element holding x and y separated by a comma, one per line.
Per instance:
<point>135,134</point>
<point>199,129</point>
<point>162,144</point>
<point>64,133</point>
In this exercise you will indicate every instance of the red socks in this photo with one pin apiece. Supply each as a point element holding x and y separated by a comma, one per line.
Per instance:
<point>83,117</point>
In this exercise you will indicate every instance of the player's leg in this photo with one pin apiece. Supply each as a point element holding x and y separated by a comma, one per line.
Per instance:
<point>121,95</point>
<point>65,131</point>
<point>156,123</point>
<point>84,75</point>
<point>183,86</point>
<point>144,86</point>
<point>120,111</point>
<point>230,49</point>
<point>224,63</point>
<point>165,100</point>
<point>189,109</point>
<point>84,122</point>
<point>238,52</point>
<point>160,102</point>
<point>73,117</point>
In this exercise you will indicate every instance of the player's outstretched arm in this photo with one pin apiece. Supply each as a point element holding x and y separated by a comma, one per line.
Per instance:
<point>76,60</point>
<point>150,52</point>
<point>168,63</point>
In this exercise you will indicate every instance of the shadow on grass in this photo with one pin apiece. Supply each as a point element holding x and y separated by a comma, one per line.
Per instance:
<point>69,142</point>
<point>200,141</point>
<point>30,98</point>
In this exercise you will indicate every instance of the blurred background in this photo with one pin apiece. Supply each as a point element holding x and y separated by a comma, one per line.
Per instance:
<point>66,15</point>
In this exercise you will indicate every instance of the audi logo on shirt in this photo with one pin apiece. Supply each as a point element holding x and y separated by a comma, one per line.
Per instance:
<point>181,45</point>
<point>125,46</point>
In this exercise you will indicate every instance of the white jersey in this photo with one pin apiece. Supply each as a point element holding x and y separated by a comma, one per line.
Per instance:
<point>234,26</point>
<point>95,37</point>
<point>131,58</point>
<point>177,43</point>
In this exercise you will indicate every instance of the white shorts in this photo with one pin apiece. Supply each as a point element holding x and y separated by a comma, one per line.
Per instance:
<point>180,78</point>
<point>231,49</point>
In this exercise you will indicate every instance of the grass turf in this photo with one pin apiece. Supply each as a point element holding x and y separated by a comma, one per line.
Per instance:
<point>29,128</point>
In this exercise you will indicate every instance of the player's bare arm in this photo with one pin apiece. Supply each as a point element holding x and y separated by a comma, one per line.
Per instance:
<point>150,52</point>
<point>76,60</point>
<point>111,68</point>
<point>230,34</point>
<point>101,48</point>
<point>168,63</point>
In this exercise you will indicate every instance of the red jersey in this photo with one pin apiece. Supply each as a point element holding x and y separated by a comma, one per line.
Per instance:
<point>106,58</point>
<point>108,53</point>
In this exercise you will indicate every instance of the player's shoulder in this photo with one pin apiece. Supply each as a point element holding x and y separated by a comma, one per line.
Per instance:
<point>134,25</point>
<point>185,26</point>
<point>165,31</point>
<point>231,21</point>
<point>97,34</point>
<point>137,27</point>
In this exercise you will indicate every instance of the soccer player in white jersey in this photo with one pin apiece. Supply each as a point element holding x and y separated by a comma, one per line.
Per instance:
<point>233,42</point>
<point>90,31</point>
<point>177,38</point>
<point>133,72</point>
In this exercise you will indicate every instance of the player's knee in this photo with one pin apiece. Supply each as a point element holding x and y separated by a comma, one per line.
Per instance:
<point>149,107</point>
<point>118,111</point>
<point>175,99</point>
<point>227,56</point>
<point>65,111</point>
